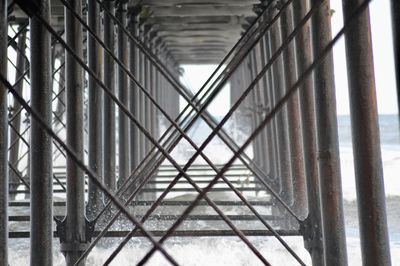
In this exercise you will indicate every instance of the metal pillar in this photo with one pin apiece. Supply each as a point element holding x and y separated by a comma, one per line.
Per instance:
<point>312,226</point>
<point>41,155</point>
<point>286,185</point>
<point>272,128</point>
<point>123,95</point>
<point>95,110</point>
<point>16,122</point>
<point>3,138</point>
<point>395,6</point>
<point>109,107</point>
<point>328,144</point>
<point>374,237</point>
<point>147,86</point>
<point>73,230</point>
<point>296,151</point>
<point>134,91</point>
<point>142,98</point>
<point>253,103</point>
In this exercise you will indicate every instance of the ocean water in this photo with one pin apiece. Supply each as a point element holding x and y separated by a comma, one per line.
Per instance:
<point>230,250</point>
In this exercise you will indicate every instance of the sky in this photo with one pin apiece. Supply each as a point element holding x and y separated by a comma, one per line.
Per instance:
<point>196,75</point>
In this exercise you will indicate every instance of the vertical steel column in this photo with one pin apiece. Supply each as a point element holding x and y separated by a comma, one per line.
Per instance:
<point>312,226</point>
<point>75,235</point>
<point>296,151</point>
<point>3,138</point>
<point>328,144</point>
<point>271,128</point>
<point>95,148</point>
<point>109,107</point>
<point>153,88</point>
<point>41,155</point>
<point>374,237</point>
<point>123,95</point>
<point>142,98</point>
<point>282,126</point>
<point>395,7</point>
<point>134,90</point>
<point>147,86</point>
<point>267,150</point>
<point>16,122</point>
<point>253,97</point>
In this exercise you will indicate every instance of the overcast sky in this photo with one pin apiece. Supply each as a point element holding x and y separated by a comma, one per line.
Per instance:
<point>383,58</point>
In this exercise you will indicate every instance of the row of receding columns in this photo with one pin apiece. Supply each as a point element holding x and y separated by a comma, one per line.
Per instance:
<point>299,149</point>
<point>320,147</point>
<point>115,146</point>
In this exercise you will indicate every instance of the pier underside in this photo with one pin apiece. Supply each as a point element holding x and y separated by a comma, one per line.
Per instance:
<point>99,138</point>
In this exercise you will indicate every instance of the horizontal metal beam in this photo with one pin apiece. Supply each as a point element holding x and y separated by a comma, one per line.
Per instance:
<point>194,2</point>
<point>181,233</point>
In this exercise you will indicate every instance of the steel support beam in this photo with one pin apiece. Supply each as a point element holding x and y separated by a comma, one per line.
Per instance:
<point>41,155</point>
<point>294,120</point>
<point>123,95</point>
<point>95,148</point>
<point>16,122</point>
<point>312,226</point>
<point>328,143</point>
<point>3,138</point>
<point>134,90</point>
<point>269,92</point>
<point>109,158</point>
<point>375,246</point>
<point>74,228</point>
<point>286,185</point>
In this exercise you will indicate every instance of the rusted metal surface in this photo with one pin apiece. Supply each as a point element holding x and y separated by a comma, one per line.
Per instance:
<point>370,188</point>
<point>295,159</point>
<point>3,138</point>
<point>328,143</point>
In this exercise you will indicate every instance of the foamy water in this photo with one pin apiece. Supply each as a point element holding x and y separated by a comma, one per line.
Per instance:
<point>230,250</point>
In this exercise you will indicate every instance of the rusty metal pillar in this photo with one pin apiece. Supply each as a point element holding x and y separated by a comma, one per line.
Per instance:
<point>16,122</point>
<point>73,230</point>
<point>123,95</point>
<point>328,143</point>
<point>295,134</point>
<point>286,184</point>
<point>3,138</point>
<point>260,107</point>
<point>146,85</point>
<point>272,128</point>
<point>134,90</point>
<point>41,155</point>
<point>253,103</point>
<point>395,8</point>
<point>109,159</point>
<point>142,98</point>
<point>269,146</point>
<point>375,246</point>
<point>95,148</point>
<point>312,226</point>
